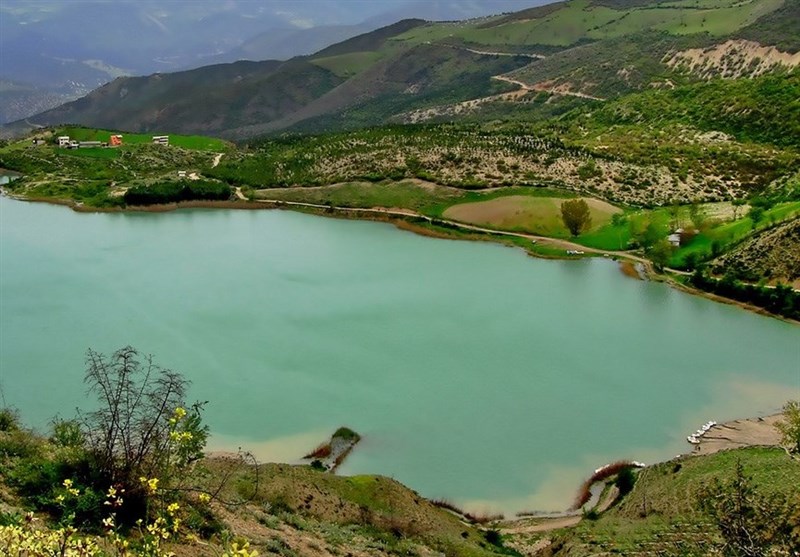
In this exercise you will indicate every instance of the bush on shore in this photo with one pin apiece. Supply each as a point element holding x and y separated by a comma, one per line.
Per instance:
<point>173,192</point>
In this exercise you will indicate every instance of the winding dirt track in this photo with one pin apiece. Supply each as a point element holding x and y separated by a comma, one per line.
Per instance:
<point>551,90</point>
<point>406,213</point>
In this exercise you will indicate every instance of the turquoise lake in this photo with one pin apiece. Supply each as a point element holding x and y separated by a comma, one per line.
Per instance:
<point>474,372</point>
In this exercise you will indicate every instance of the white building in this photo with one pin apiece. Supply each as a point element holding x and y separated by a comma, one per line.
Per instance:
<point>675,238</point>
<point>161,140</point>
<point>63,141</point>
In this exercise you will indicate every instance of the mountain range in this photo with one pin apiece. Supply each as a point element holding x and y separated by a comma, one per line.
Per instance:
<point>53,51</point>
<point>575,52</point>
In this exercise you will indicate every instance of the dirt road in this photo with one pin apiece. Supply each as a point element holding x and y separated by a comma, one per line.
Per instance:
<point>545,88</point>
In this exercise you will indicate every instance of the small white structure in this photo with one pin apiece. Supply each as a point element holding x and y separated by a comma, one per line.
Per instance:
<point>675,238</point>
<point>161,140</point>
<point>181,174</point>
<point>63,141</point>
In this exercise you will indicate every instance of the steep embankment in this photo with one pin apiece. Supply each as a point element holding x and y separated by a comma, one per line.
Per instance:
<point>773,255</point>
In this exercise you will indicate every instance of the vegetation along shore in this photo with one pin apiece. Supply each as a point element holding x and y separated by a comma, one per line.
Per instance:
<point>79,490</point>
<point>663,135</point>
<point>713,251</point>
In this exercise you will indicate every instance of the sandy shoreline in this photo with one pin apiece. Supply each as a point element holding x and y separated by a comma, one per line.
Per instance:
<point>744,432</point>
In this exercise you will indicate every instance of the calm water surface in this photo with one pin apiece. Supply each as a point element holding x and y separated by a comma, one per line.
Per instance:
<point>474,372</point>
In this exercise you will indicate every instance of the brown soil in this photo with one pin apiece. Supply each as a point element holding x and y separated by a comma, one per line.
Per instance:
<point>740,433</point>
<point>628,269</point>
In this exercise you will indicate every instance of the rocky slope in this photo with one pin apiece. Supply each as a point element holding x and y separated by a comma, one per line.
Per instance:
<point>773,255</point>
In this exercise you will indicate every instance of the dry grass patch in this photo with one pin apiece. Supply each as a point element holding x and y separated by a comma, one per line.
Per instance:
<point>538,215</point>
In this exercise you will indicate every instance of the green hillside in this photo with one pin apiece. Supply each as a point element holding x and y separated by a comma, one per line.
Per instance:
<point>582,49</point>
<point>581,20</point>
<point>662,515</point>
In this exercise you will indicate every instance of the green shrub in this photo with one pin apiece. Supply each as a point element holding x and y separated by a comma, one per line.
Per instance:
<point>493,537</point>
<point>173,192</point>
<point>201,520</point>
<point>346,434</point>
<point>9,419</point>
<point>19,444</point>
<point>625,480</point>
<point>10,519</point>
<point>67,433</point>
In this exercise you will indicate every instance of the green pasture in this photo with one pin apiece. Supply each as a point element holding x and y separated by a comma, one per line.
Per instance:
<point>580,19</point>
<point>197,142</point>
<point>348,65</point>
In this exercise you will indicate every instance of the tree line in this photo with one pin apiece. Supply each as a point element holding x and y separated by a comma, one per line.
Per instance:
<point>781,299</point>
<point>173,192</point>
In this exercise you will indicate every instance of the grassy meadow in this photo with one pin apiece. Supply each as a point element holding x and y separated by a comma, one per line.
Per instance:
<point>520,213</point>
<point>196,142</point>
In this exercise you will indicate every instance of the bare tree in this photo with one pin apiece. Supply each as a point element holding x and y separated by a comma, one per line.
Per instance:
<point>128,434</point>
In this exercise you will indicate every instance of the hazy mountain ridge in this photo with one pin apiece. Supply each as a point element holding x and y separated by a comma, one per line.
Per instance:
<point>592,50</point>
<point>63,50</point>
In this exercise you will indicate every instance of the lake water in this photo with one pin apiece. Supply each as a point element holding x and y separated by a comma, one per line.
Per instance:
<point>473,371</point>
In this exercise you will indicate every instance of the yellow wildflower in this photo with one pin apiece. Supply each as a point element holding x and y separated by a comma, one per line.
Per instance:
<point>150,484</point>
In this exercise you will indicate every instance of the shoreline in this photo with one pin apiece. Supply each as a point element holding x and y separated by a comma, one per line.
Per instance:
<point>741,432</point>
<point>631,265</point>
<point>733,434</point>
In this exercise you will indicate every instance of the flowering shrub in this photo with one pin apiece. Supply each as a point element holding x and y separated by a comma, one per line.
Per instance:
<point>117,481</point>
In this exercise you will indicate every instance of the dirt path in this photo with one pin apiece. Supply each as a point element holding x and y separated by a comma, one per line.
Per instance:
<point>545,88</point>
<point>239,193</point>
<point>217,158</point>
<point>406,213</point>
<point>510,54</point>
<point>543,525</point>
<point>491,53</point>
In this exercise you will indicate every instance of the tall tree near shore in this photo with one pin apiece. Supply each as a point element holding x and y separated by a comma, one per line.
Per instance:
<point>576,215</point>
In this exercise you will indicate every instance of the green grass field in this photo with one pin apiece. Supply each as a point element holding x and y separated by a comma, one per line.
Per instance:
<point>580,19</point>
<point>731,232</point>
<point>667,495</point>
<point>348,65</point>
<point>524,213</point>
<point>93,153</point>
<point>197,142</point>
